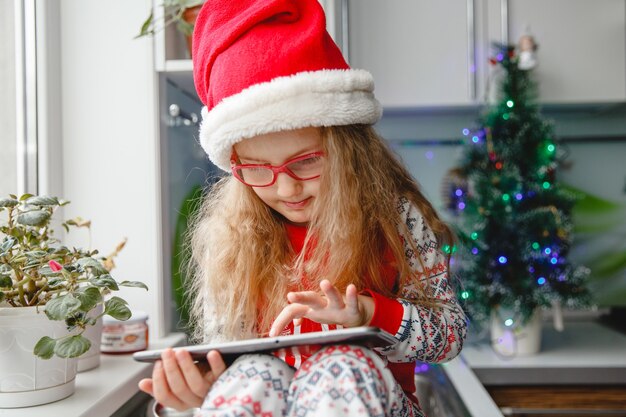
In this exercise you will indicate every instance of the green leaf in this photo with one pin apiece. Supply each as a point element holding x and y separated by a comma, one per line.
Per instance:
<point>2,296</point>
<point>43,201</point>
<point>45,347</point>
<point>7,244</point>
<point>6,281</point>
<point>145,27</point>
<point>59,308</point>
<point>105,281</point>
<point>96,267</point>
<point>8,202</point>
<point>25,196</point>
<point>72,347</point>
<point>117,308</point>
<point>137,284</point>
<point>34,218</point>
<point>89,298</point>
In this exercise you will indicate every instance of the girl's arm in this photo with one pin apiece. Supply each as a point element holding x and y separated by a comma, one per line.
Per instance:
<point>424,334</point>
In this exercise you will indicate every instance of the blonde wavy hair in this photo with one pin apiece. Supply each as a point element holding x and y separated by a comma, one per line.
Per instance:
<point>242,264</point>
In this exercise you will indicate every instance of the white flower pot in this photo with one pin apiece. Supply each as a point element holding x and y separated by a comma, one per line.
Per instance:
<point>516,339</point>
<point>25,379</point>
<point>91,358</point>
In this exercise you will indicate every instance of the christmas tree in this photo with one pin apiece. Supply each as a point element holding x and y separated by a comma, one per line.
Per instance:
<point>512,217</point>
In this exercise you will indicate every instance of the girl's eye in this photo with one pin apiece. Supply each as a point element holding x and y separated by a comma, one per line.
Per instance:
<point>308,161</point>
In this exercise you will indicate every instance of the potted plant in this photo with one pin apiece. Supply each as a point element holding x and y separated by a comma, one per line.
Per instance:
<point>48,296</point>
<point>181,13</point>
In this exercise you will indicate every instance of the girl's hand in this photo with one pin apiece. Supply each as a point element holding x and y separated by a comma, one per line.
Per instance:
<point>177,382</point>
<point>329,306</point>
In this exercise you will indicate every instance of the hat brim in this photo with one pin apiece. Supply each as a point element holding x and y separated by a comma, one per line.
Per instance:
<point>306,99</point>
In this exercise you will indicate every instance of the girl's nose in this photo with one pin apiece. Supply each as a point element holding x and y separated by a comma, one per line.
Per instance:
<point>287,186</point>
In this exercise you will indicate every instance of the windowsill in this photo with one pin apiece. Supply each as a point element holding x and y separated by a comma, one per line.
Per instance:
<point>100,391</point>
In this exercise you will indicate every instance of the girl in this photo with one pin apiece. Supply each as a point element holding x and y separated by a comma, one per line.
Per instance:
<point>318,228</point>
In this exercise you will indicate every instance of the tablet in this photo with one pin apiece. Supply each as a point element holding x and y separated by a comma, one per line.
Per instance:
<point>305,343</point>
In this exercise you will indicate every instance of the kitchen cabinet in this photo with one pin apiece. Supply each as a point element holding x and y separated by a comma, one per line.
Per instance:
<point>582,45</point>
<point>421,53</point>
<point>429,54</point>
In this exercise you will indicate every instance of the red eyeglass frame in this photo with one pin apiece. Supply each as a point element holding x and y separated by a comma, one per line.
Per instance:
<point>275,169</point>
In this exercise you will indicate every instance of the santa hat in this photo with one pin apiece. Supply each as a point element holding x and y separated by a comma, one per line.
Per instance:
<point>263,66</point>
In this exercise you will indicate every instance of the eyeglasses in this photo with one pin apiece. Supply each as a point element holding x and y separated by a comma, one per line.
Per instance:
<point>303,168</point>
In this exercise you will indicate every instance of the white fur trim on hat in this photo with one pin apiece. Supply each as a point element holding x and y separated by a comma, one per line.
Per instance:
<point>305,99</point>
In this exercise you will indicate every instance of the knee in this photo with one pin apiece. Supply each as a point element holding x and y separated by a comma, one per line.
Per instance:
<point>337,359</point>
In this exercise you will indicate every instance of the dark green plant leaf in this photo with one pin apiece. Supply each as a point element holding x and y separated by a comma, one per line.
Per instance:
<point>25,196</point>
<point>105,281</point>
<point>96,267</point>
<point>117,308</point>
<point>8,202</point>
<point>34,218</point>
<point>137,284</point>
<point>2,296</point>
<point>72,347</point>
<point>89,298</point>
<point>45,347</point>
<point>43,201</point>
<point>59,308</point>
<point>6,281</point>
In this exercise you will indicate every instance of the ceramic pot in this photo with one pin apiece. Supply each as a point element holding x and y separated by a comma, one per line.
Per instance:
<point>516,339</point>
<point>25,379</point>
<point>91,358</point>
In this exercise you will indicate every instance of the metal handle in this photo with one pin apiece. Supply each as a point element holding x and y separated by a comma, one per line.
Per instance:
<point>345,29</point>
<point>181,117</point>
<point>504,20</point>
<point>471,50</point>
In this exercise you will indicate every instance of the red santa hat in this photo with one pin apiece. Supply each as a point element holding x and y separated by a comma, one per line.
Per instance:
<point>263,66</point>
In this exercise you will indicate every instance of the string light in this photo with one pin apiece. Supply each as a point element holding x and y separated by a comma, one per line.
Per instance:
<point>519,196</point>
<point>553,261</point>
<point>458,192</point>
<point>474,235</point>
<point>465,295</point>
<point>510,104</point>
<point>475,251</point>
<point>546,185</point>
<point>505,116</point>
<point>466,132</point>
<point>541,281</point>
<point>508,322</point>
<point>502,260</point>
<point>535,245</point>
<point>551,148</point>
<point>475,139</point>
<point>461,206</point>
<point>498,165</point>
<point>547,251</point>
<point>506,197</point>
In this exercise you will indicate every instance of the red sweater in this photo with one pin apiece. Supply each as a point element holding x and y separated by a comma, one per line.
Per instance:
<point>388,315</point>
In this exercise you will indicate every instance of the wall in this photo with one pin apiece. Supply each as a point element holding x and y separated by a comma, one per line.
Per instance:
<point>110,149</point>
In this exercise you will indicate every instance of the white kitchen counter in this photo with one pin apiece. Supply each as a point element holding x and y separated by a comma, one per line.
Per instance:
<point>586,352</point>
<point>100,391</point>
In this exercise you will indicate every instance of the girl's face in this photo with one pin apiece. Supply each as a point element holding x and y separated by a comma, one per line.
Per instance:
<point>288,196</point>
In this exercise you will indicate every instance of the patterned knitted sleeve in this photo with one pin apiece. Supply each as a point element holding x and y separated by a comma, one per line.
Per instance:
<point>426,334</point>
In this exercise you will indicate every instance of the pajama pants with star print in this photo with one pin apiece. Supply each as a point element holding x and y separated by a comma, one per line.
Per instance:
<point>336,381</point>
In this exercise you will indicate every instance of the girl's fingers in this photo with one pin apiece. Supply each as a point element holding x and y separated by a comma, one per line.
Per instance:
<point>176,381</point>
<point>194,379</point>
<point>218,366</point>
<point>146,386</point>
<point>332,294</point>
<point>311,298</point>
<point>292,311</point>
<point>352,299</point>
<point>161,389</point>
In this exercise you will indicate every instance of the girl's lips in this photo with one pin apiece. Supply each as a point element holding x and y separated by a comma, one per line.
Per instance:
<point>297,205</point>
